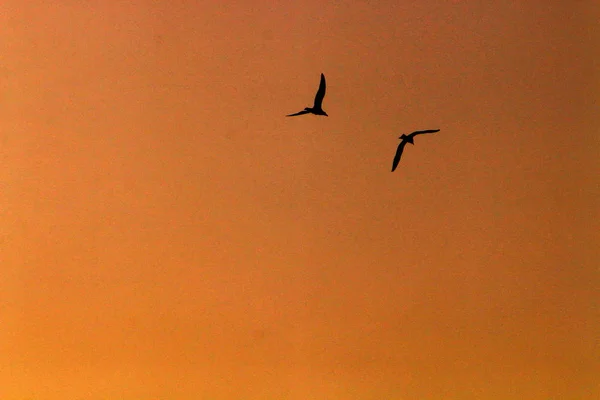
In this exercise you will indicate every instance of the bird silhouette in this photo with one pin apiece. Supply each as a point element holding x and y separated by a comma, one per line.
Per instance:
<point>316,108</point>
<point>407,139</point>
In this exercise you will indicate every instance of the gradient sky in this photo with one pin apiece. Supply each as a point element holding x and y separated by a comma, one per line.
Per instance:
<point>167,233</point>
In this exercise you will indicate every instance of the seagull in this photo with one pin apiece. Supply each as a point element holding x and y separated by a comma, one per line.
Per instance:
<point>316,108</point>
<point>407,139</point>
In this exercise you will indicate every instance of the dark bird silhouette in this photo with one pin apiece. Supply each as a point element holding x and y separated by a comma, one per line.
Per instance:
<point>407,139</point>
<point>316,108</point>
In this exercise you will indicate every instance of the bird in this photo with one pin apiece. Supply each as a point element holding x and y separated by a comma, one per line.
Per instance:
<point>407,139</point>
<point>316,108</point>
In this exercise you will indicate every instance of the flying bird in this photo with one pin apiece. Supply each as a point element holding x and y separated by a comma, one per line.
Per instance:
<point>407,139</point>
<point>316,108</point>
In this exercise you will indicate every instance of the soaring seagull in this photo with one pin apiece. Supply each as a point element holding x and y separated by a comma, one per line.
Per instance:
<point>316,108</point>
<point>407,139</point>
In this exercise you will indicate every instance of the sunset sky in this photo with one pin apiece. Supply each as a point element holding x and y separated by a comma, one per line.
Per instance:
<point>166,232</point>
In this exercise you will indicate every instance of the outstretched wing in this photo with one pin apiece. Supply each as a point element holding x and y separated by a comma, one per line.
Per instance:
<point>298,113</point>
<point>399,151</point>
<point>421,132</point>
<point>320,93</point>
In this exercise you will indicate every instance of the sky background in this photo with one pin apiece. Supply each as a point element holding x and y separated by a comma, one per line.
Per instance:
<point>167,233</point>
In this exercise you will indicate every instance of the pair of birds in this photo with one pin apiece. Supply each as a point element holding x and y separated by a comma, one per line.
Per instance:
<point>317,109</point>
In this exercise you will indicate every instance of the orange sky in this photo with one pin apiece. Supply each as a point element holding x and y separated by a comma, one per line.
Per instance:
<point>167,233</point>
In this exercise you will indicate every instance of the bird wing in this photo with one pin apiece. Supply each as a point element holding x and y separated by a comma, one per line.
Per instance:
<point>298,113</point>
<point>320,93</point>
<point>398,155</point>
<point>421,132</point>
